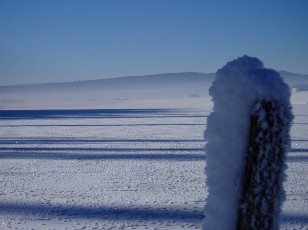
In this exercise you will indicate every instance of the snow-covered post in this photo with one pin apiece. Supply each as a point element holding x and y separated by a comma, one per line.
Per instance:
<point>264,163</point>
<point>247,138</point>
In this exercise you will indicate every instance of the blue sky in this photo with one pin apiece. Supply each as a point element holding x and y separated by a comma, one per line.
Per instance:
<point>57,41</point>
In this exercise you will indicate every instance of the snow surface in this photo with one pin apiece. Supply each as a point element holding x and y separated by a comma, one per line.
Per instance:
<point>102,169</point>
<point>129,169</point>
<point>238,86</point>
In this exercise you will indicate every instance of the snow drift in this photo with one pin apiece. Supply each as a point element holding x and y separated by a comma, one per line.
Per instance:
<point>237,88</point>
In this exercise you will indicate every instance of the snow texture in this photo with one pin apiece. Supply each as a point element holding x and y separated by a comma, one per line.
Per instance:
<point>238,86</point>
<point>123,169</point>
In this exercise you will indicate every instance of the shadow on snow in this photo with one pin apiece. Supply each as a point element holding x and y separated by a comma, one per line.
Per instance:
<point>121,213</point>
<point>107,125</point>
<point>101,212</point>
<point>175,157</point>
<point>62,140</point>
<point>98,113</point>
<point>294,218</point>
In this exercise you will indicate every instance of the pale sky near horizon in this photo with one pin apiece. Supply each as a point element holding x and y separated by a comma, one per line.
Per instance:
<point>59,41</point>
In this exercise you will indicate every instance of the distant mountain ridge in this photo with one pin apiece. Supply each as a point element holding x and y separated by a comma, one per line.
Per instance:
<point>294,78</point>
<point>158,90</point>
<point>154,80</point>
<point>130,82</point>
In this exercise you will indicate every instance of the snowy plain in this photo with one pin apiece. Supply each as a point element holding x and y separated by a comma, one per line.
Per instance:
<point>126,168</point>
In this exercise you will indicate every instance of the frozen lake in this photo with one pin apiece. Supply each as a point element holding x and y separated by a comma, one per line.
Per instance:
<point>120,168</point>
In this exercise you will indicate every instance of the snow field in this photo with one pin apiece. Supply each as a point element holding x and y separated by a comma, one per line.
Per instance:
<point>99,173</point>
<point>295,208</point>
<point>140,171</point>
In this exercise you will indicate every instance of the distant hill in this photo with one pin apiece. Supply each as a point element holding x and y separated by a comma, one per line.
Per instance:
<point>131,91</point>
<point>129,82</point>
<point>294,78</point>
<point>135,82</point>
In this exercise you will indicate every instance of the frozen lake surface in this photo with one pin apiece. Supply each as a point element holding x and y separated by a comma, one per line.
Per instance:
<point>121,169</point>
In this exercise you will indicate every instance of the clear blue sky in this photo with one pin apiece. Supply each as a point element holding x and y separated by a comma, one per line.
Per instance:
<point>68,40</point>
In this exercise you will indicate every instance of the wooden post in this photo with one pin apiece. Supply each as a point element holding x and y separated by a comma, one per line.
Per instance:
<point>264,163</point>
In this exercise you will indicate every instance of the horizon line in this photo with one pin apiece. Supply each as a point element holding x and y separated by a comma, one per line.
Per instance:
<point>127,76</point>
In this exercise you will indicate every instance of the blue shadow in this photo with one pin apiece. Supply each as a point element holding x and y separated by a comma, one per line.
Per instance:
<point>102,212</point>
<point>294,218</point>
<point>97,113</point>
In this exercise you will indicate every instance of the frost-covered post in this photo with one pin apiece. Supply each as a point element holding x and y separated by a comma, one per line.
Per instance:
<point>264,164</point>
<point>248,137</point>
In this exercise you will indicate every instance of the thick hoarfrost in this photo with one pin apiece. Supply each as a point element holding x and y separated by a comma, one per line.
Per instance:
<point>238,86</point>
<point>268,143</point>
